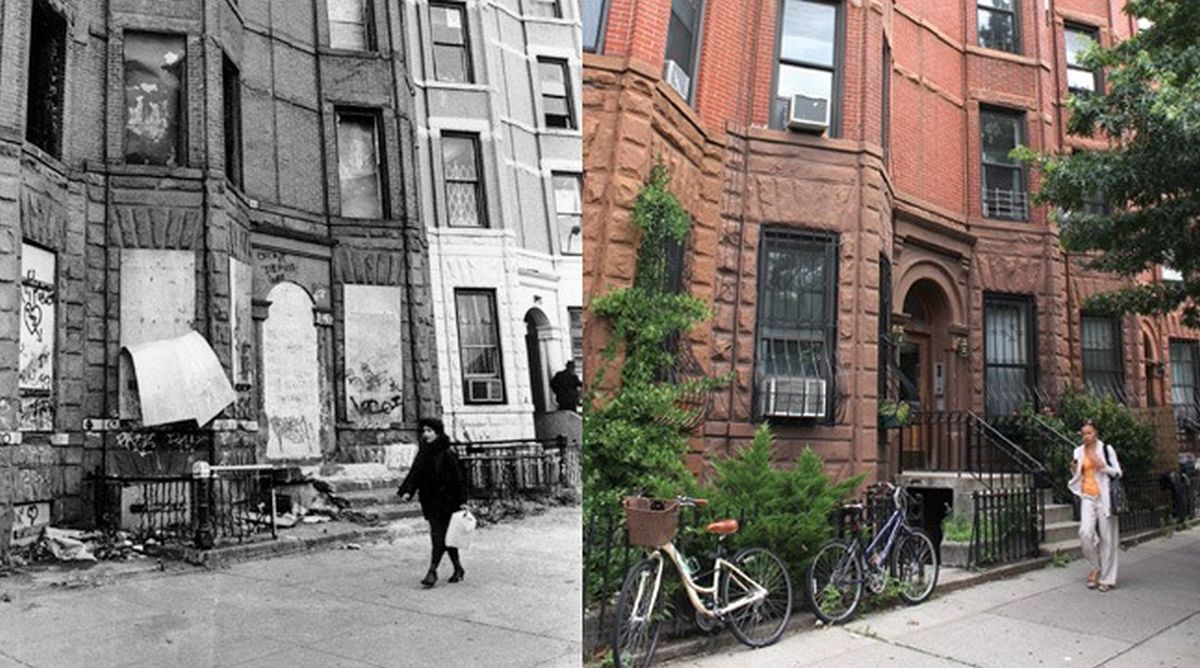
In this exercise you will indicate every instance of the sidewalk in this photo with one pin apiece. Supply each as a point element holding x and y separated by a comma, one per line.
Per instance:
<point>518,606</point>
<point>1041,618</point>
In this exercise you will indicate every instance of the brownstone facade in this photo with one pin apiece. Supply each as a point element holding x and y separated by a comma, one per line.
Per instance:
<point>896,179</point>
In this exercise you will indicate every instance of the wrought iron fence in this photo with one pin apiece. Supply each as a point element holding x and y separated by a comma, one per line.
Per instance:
<point>233,505</point>
<point>507,469</point>
<point>960,441</point>
<point>1005,526</point>
<point>1150,505</point>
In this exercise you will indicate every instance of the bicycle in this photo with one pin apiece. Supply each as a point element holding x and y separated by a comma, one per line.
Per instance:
<point>751,592</point>
<point>837,574</point>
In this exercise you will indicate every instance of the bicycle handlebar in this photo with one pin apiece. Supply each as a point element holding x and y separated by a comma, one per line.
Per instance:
<point>695,503</point>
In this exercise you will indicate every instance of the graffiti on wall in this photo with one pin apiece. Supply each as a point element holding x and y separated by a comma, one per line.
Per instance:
<point>374,358</point>
<point>241,326</point>
<point>35,375</point>
<point>145,443</point>
<point>291,391</point>
<point>276,266</point>
<point>158,301</point>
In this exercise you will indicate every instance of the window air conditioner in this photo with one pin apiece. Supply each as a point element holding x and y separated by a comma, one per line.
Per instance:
<point>808,113</point>
<point>785,396</point>
<point>677,78</point>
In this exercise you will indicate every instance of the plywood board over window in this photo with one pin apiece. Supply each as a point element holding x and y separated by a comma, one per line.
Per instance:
<point>155,94</point>
<point>374,358</point>
<point>35,378</point>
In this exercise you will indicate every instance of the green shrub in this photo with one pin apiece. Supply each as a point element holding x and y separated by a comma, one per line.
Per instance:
<point>1116,425</point>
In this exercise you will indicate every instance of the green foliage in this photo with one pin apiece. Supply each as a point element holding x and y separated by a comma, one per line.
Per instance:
<point>1116,425</point>
<point>893,413</point>
<point>1060,559</point>
<point>956,530</point>
<point>787,509</point>
<point>1152,102</point>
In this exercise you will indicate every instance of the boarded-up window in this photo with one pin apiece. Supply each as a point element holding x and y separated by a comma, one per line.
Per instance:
<point>359,165</point>
<point>568,204</point>
<point>451,51</point>
<point>556,95</point>
<point>464,192</point>
<point>479,347</point>
<point>231,97</point>
<point>47,69</point>
<point>155,91</point>
<point>35,379</point>
<point>350,25</point>
<point>374,355</point>
<point>158,301</point>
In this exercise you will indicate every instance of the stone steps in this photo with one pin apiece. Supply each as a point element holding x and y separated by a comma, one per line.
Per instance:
<point>1061,531</point>
<point>364,493</point>
<point>1058,512</point>
<point>379,513</point>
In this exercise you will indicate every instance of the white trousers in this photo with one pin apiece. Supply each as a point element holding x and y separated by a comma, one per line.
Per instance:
<point>1100,539</point>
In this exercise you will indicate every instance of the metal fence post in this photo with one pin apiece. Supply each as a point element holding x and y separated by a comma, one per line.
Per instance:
<point>202,483</point>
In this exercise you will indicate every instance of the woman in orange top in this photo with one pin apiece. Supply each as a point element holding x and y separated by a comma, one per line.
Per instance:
<point>1095,465</point>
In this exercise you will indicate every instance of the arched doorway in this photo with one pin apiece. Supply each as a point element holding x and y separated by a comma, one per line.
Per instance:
<point>1154,372</point>
<point>291,389</point>
<point>537,334</point>
<point>924,362</point>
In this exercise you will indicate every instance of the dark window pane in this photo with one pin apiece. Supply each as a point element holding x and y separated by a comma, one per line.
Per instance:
<point>231,92</point>
<point>154,90</point>
<point>1002,178</point>
<point>593,22</point>
<point>47,68</point>
<point>996,30</point>
<point>681,33</point>
<point>1001,133</point>
<point>808,32</point>
<point>479,346</point>
<point>1008,365</point>
<point>358,166</point>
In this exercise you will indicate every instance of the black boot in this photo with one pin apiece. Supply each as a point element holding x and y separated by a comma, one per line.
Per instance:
<point>458,574</point>
<point>430,579</point>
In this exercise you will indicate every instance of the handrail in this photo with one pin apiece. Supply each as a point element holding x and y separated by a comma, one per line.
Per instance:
<point>1014,451</point>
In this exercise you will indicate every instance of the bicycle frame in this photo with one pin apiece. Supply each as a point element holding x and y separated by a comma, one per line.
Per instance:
<point>696,591</point>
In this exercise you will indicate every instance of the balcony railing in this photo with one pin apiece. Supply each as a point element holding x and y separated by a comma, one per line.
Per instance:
<point>1005,204</point>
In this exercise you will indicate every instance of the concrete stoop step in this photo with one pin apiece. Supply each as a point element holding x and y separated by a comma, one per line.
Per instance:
<point>364,493</point>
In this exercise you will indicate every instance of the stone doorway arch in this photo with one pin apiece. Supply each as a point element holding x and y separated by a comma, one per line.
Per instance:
<point>291,379</point>
<point>926,347</point>
<point>539,349</point>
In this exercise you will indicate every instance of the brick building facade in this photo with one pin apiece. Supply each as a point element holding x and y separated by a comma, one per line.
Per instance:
<point>245,170</point>
<point>899,236</point>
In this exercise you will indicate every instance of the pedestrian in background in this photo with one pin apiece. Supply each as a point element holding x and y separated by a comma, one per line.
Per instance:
<point>1093,468</point>
<point>565,385</point>
<point>437,480</point>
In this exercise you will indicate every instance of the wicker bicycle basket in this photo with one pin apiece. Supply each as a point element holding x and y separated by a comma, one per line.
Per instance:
<point>652,522</point>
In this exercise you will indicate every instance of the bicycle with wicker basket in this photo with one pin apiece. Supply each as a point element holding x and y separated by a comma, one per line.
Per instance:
<point>750,592</point>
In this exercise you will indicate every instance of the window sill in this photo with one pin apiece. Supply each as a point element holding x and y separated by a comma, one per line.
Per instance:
<point>35,152</point>
<point>562,132</point>
<point>371,54</point>
<point>450,85</point>
<point>122,169</point>
<point>1001,54</point>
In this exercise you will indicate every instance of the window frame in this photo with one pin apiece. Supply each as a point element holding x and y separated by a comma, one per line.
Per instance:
<point>51,288</point>
<point>42,13</point>
<point>836,82</point>
<point>231,116</point>
<point>481,212</point>
<point>468,57</point>
<point>697,35</point>
<point>984,163</point>
<point>182,139</point>
<point>827,244</point>
<point>381,179</point>
<point>1114,384</point>
<point>578,216</point>
<point>368,26</point>
<point>1092,32</point>
<point>555,4</point>
<point>886,94</point>
<point>1028,305</point>
<point>490,293</point>
<point>575,332</point>
<point>564,66</point>
<point>1015,12</point>
<point>1187,415</point>
<point>601,26</point>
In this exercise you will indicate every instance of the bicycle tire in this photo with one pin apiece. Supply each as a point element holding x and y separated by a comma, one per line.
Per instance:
<point>834,572</point>
<point>634,640</point>
<point>916,555</point>
<point>762,623</point>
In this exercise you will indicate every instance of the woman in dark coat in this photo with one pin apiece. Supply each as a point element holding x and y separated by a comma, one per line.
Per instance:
<point>436,479</point>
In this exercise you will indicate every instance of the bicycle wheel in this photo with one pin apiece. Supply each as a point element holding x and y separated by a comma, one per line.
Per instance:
<point>636,625</point>
<point>760,623</point>
<point>915,565</point>
<point>835,583</point>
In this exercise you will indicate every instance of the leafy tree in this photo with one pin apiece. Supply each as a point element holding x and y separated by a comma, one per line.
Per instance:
<point>1149,178</point>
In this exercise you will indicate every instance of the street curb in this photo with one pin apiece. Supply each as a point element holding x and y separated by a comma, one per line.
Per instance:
<point>806,621</point>
<point>284,546</point>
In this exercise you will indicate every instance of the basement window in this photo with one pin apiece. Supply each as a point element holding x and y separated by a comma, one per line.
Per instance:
<point>47,69</point>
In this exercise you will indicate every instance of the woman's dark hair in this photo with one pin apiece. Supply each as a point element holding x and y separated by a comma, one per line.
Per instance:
<point>434,424</point>
<point>1088,423</point>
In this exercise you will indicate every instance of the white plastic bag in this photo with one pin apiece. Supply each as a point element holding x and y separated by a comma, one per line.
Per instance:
<point>461,530</point>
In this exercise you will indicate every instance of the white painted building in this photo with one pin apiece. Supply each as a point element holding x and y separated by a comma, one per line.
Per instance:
<point>500,178</point>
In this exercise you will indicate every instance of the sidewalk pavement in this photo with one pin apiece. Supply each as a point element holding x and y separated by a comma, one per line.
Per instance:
<point>518,606</point>
<point>1042,618</point>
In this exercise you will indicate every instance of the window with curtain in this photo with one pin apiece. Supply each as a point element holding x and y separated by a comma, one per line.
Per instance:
<point>1103,370</point>
<point>451,48</point>
<point>807,62</point>
<point>796,329</point>
<point>1009,375</point>
<point>479,346</point>
<point>359,164</point>
<point>464,187</point>
<point>999,25</point>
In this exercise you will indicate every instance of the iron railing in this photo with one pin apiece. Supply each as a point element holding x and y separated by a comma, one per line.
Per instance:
<point>508,469</point>
<point>233,505</point>
<point>1006,526</point>
<point>1150,505</point>
<point>962,442</point>
<point>1005,204</point>
<point>1048,446</point>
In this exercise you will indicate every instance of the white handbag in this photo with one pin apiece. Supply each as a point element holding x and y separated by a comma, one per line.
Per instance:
<point>461,530</point>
